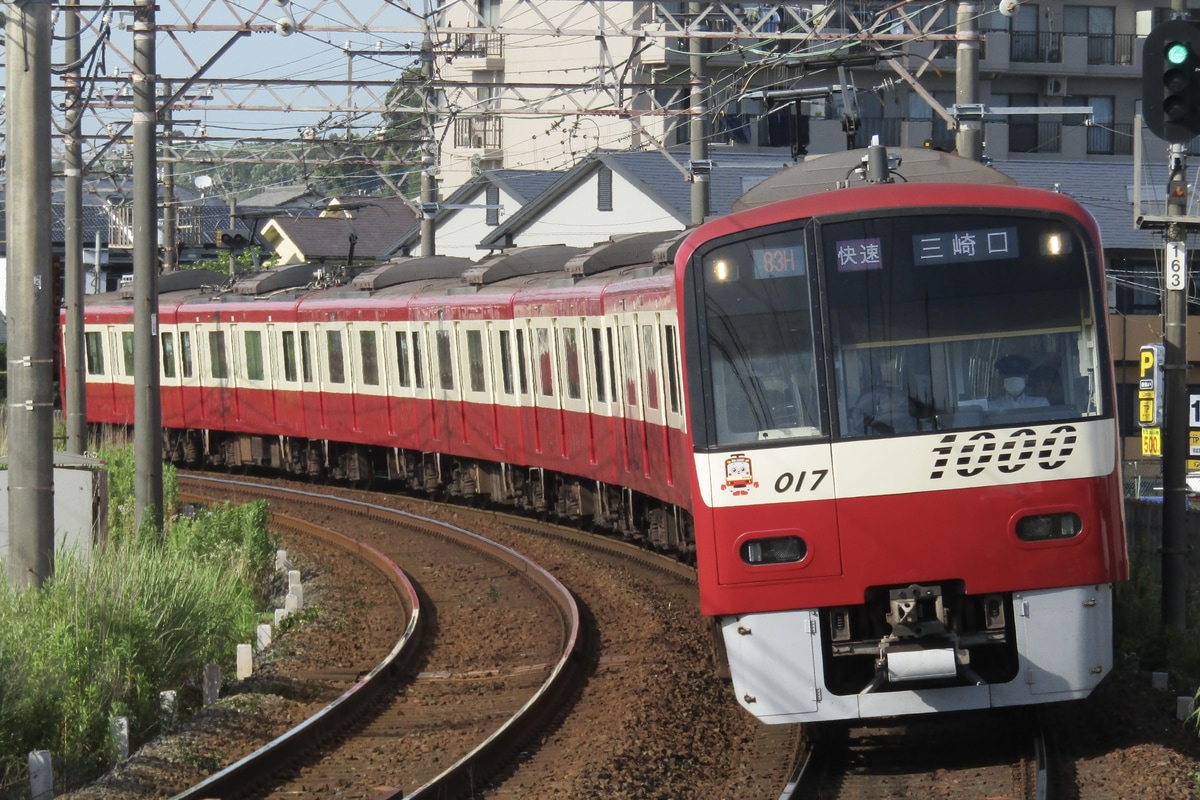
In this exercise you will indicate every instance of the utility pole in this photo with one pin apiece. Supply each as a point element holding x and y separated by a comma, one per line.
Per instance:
<point>428,149</point>
<point>30,296</point>
<point>73,279</point>
<point>1171,104</point>
<point>147,408</point>
<point>968,140</point>
<point>1175,443</point>
<point>170,206</point>
<point>700,166</point>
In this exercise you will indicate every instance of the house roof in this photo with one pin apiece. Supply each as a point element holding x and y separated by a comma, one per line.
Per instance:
<point>523,184</point>
<point>372,221</point>
<point>660,176</point>
<point>294,196</point>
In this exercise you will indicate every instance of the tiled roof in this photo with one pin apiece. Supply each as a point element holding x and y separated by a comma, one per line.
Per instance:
<point>375,221</point>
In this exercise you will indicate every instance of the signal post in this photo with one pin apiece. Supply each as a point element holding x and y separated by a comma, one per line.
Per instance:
<point>1171,107</point>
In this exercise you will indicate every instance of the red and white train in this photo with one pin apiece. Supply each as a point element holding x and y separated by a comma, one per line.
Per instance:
<point>818,399</point>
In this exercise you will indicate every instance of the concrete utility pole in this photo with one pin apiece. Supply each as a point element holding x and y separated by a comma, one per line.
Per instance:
<point>170,213</point>
<point>30,296</point>
<point>428,150</point>
<point>1175,443</point>
<point>147,408</point>
<point>76,394</point>
<point>700,167</point>
<point>968,140</point>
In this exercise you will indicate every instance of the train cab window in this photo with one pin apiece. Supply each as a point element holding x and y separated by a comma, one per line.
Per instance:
<point>761,377</point>
<point>418,361</point>
<point>445,353</point>
<point>650,360</point>
<point>475,361</point>
<point>217,360</point>
<point>127,351</point>
<point>506,374</point>
<point>598,366</point>
<point>337,357</point>
<point>306,356</point>
<point>368,352</point>
<point>953,321</point>
<point>402,359</point>
<point>571,363</point>
<point>185,354</point>
<point>544,357</point>
<point>168,354</point>
<point>254,355</point>
<point>289,356</point>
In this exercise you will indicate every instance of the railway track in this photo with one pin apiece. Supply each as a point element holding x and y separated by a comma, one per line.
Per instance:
<point>355,742</point>
<point>997,755</point>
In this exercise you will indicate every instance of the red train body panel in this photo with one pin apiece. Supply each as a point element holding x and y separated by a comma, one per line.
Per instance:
<point>812,399</point>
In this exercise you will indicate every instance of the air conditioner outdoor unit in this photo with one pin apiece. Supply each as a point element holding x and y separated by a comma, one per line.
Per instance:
<point>1056,87</point>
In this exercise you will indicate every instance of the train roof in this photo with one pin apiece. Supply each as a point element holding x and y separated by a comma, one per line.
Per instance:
<point>826,173</point>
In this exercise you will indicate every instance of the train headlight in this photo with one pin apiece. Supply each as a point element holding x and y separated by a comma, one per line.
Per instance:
<point>776,550</point>
<point>1056,243</point>
<point>1047,527</point>
<point>723,270</point>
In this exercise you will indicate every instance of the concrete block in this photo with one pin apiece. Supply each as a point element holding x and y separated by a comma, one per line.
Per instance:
<point>245,661</point>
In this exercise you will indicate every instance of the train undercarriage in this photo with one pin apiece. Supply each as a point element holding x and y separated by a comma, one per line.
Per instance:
<point>583,502</point>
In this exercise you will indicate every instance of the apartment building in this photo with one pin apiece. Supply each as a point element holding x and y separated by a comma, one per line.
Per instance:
<point>536,91</point>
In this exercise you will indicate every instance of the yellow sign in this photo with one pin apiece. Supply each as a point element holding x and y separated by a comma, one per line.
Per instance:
<point>1193,465</point>
<point>1152,441</point>
<point>1146,409</point>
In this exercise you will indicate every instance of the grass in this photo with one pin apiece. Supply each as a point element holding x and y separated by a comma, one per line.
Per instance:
<point>106,635</point>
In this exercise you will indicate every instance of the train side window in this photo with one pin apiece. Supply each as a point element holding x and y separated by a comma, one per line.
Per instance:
<point>402,358</point>
<point>506,375</point>
<point>522,369</point>
<point>218,362</point>
<point>289,356</point>
<point>368,351</point>
<point>94,345</point>
<point>445,354</point>
<point>629,368</point>
<point>612,366</point>
<point>650,360</point>
<point>168,354</point>
<point>418,364</point>
<point>185,353</point>
<point>475,360</point>
<point>127,350</point>
<point>598,365</point>
<point>306,356</point>
<point>337,357</point>
<point>254,355</point>
<point>545,361</point>
<point>571,357</point>
<point>672,367</point>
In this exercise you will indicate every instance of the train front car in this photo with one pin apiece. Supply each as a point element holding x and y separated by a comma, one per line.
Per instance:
<point>907,496</point>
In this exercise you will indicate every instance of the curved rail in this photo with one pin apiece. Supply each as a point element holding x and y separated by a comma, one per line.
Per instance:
<point>476,765</point>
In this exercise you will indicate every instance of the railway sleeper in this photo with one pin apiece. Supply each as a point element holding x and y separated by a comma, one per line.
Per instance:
<point>917,636</point>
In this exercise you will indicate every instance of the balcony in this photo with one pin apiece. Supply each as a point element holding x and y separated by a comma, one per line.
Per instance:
<point>478,51</point>
<point>478,133</point>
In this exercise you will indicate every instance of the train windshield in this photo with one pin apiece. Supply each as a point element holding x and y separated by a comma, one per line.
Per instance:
<point>932,322</point>
<point>941,322</point>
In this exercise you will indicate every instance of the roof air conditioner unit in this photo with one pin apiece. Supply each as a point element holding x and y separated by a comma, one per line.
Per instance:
<point>1056,87</point>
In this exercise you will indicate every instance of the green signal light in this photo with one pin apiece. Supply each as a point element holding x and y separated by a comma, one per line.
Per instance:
<point>1177,53</point>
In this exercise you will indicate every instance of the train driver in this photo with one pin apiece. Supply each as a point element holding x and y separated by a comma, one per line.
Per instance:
<point>1014,370</point>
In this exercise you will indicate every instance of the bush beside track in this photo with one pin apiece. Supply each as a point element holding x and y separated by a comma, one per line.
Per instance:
<point>104,637</point>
